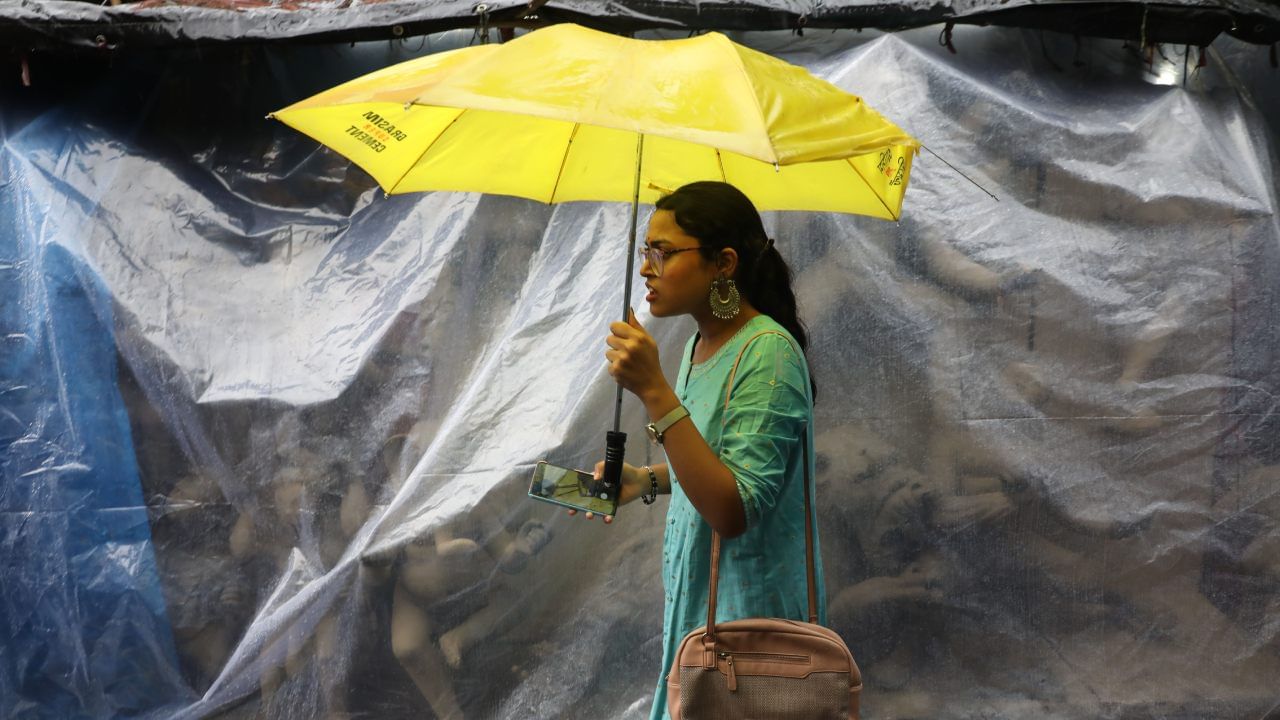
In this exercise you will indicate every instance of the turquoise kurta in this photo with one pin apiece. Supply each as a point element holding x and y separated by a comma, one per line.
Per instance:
<point>762,571</point>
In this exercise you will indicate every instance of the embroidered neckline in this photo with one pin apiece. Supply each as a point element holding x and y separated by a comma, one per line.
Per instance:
<point>702,367</point>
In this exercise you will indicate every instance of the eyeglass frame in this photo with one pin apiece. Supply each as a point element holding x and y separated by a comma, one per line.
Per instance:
<point>660,264</point>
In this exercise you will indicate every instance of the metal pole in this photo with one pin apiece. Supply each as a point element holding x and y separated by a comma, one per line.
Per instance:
<point>616,440</point>
<point>631,260</point>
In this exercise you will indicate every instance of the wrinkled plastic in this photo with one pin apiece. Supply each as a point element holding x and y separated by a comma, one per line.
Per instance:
<point>1177,21</point>
<point>267,433</point>
<point>152,23</point>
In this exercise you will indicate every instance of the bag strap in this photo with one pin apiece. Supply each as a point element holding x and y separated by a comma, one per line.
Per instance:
<point>811,575</point>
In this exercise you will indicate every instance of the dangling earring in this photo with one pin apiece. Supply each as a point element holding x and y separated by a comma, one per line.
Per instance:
<point>728,306</point>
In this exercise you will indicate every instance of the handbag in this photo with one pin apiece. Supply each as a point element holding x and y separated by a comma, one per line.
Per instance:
<point>764,668</point>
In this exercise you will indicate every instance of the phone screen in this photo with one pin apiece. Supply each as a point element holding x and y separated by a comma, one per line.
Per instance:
<point>570,488</point>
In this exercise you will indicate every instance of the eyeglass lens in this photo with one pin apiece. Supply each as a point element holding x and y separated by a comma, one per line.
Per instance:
<point>654,257</point>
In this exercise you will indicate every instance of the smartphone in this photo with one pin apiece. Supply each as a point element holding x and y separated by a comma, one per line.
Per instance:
<point>571,488</point>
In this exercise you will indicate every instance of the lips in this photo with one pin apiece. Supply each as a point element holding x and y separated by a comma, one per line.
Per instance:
<point>652,295</point>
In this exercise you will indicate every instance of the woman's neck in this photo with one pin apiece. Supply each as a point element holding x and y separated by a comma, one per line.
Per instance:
<point>714,332</point>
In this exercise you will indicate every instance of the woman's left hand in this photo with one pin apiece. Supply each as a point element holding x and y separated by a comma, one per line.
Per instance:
<point>633,358</point>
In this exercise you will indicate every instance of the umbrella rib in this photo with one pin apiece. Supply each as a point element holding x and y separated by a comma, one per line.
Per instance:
<point>563,161</point>
<point>873,190</point>
<point>720,162</point>
<point>764,125</point>
<point>427,149</point>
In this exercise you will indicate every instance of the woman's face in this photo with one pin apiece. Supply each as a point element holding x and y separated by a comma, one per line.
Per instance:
<point>686,276</point>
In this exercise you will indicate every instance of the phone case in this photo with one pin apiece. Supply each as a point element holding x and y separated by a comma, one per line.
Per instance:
<point>570,488</point>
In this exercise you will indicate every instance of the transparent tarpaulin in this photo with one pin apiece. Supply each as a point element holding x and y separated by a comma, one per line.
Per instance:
<point>267,433</point>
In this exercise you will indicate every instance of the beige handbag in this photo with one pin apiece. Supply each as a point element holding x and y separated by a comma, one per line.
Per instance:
<point>764,668</point>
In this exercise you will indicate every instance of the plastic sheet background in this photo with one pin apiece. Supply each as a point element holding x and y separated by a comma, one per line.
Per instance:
<point>266,432</point>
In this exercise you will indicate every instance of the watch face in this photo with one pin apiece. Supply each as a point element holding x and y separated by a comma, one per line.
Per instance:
<point>653,434</point>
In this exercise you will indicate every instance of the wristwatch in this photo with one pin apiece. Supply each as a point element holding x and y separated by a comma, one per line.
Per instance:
<point>657,429</point>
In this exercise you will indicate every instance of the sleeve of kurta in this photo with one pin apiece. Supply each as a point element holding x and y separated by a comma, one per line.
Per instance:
<point>767,412</point>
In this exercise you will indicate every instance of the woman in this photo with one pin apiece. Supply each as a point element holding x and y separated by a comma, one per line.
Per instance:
<point>739,472</point>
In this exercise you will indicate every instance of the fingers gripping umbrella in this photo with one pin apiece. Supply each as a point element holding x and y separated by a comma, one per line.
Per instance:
<point>566,113</point>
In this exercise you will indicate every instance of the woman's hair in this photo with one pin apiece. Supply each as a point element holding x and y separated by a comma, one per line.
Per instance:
<point>720,216</point>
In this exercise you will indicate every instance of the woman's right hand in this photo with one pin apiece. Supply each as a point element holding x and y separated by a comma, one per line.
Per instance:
<point>635,482</point>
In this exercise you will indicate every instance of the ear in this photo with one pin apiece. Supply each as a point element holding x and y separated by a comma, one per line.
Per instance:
<point>727,262</point>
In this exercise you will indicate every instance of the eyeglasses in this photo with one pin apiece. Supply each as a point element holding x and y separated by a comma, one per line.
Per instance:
<point>657,256</point>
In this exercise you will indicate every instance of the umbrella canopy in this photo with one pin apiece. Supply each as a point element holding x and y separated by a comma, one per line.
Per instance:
<point>562,114</point>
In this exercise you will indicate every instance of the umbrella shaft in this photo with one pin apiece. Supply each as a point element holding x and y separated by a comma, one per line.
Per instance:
<point>631,259</point>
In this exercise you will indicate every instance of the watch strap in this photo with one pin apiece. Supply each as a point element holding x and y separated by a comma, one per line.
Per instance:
<point>676,415</point>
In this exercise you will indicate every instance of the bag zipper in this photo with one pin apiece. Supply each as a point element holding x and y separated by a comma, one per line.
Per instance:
<point>771,657</point>
<point>732,676</point>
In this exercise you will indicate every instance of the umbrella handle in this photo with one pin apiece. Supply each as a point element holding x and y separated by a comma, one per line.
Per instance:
<point>614,450</point>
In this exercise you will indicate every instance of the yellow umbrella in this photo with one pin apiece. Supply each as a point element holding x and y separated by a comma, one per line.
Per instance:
<point>566,113</point>
<point>559,114</point>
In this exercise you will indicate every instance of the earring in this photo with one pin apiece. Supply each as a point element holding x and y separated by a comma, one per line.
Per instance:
<point>728,306</point>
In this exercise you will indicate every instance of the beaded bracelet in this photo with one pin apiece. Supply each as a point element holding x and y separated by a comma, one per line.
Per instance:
<point>653,487</point>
